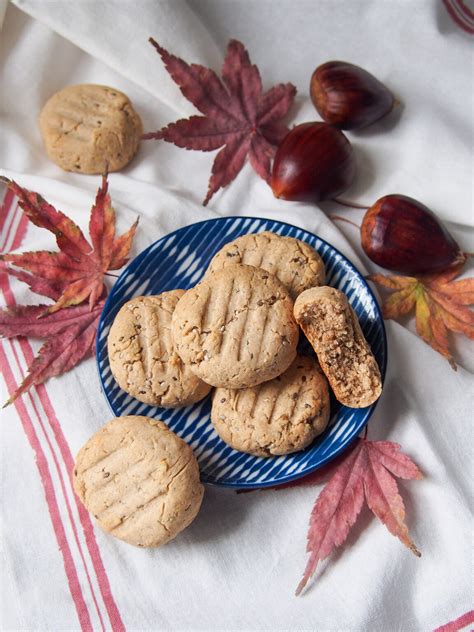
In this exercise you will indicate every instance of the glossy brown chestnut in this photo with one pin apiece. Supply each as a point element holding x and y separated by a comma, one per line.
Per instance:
<point>315,161</point>
<point>401,234</point>
<point>348,96</point>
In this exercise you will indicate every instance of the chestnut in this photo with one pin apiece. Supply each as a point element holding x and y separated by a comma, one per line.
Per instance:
<point>348,96</point>
<point>402,234</point>
<point>314,162</point>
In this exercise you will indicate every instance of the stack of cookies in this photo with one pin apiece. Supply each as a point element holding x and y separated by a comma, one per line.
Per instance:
<point>237,331</point>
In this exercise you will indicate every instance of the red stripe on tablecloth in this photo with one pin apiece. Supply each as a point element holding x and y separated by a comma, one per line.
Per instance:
<point>7,234</point>
<point>462,6</point>
<point>7,202</point>
<point>46,480</point>
<point>461,15</point>
<point>462,11</point>
<point>28,355</point>
<point>101,574</point>
<point>8,219</point>
<point>458,623</point>
<point>104,585</point>
<point>20,232</point>
<point>61,482</point>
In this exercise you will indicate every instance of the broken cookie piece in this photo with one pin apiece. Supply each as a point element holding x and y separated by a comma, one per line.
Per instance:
<point>334,332</point>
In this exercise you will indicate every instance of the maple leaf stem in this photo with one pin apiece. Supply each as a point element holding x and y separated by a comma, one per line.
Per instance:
<point>300,586</point>
<point>115,276</point>
<point>414,550</point>
<point>344,219</point>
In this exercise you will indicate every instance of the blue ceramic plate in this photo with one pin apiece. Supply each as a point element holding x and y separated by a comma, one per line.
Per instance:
<point>179,260</point>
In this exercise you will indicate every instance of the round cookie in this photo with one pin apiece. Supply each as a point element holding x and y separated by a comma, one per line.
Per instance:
<point>236,327</point>
<point>142,356</point>
<point>281,416</point>
<point>90,129</point>
<point>292,261</point>
<point>139,480</point>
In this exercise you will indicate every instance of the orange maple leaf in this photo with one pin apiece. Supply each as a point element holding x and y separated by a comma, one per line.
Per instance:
<point>440,305</point>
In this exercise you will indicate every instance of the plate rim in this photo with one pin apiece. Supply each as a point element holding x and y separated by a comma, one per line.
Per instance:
<point>383,369</point>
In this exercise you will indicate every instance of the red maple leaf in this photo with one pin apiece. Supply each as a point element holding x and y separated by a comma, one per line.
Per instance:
<point>69,332</point>
<point>76,271</point>
<point>238,116</point>
<point>365,473</point>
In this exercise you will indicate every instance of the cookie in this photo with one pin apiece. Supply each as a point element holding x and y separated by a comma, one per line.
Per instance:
<point>90,129</point>
<point>142,356</point>
<point>292,261</point>
<point>281,416</point>
<point>139,480</point>
<point>236,327</point>
<point>333,330</point>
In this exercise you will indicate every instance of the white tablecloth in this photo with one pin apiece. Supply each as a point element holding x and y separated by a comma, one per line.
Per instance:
<point>237,566</point>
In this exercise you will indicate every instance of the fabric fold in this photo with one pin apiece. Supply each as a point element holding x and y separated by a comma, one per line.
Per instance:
<point>117,32</point>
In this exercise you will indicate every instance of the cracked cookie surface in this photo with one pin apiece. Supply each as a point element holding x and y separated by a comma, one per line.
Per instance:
<point>281,416</point>
<point>139,480</point>
<point>236,327</point>
<point>293,262</point>
<point>334,332</point>
<point>90,129</point>
<point>142,356</point>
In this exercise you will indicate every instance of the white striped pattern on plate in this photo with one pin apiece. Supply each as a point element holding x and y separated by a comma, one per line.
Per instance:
<point>179,260</point>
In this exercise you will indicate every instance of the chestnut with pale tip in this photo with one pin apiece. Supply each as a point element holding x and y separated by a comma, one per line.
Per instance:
<point>401,234</point>
<point>314,162</point>
<point>348,96</point>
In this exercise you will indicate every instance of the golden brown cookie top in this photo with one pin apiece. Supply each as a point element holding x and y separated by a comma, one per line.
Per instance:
<point>90,129</point>
<point>139,480</point>
<point>236,327</point>
<point>277,417</point>
<point>142,356</point>
<point>293,262</point>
